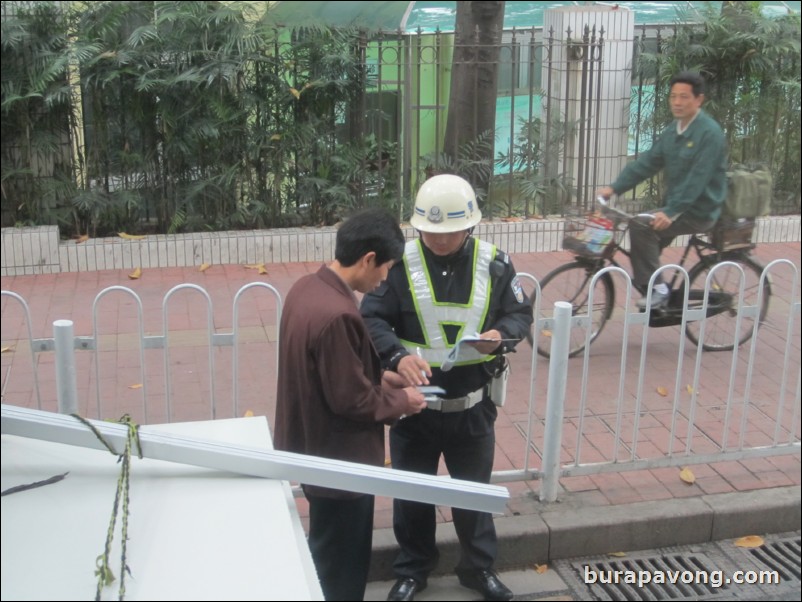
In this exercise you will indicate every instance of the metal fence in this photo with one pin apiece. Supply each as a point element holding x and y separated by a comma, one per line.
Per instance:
<point>549,151</point>
<point>641,398</point>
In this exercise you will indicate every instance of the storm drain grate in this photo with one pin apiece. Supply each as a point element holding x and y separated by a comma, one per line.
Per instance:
<point>665,577</point>
<point>782,556</point>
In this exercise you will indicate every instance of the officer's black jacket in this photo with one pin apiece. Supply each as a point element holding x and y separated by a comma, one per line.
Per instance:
<point>390,313</point>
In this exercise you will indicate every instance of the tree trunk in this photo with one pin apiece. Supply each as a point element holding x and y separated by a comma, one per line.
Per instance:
<point>474,85</point>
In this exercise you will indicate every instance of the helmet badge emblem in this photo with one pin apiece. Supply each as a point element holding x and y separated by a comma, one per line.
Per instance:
<point>435,215</point>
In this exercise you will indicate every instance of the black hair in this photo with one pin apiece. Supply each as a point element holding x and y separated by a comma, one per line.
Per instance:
<point>693,79</point>
<point>369,230</point>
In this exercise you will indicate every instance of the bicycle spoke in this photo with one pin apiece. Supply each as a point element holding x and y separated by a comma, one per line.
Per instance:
<point>571,283</point>
<point>724,300</point>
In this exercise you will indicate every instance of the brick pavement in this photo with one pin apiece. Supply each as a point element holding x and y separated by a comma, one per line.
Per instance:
<point>70,296</point>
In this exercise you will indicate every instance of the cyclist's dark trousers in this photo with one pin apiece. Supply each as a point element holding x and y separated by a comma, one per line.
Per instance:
<point>648,244</point>
<point>466,441</point>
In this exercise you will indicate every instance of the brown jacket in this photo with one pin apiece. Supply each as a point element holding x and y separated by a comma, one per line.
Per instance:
<point>330,401</point>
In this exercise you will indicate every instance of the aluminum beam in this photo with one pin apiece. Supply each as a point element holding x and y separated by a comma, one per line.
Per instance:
<point>58,428</point>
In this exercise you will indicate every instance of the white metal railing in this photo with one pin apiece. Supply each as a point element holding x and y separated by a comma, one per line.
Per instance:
<point>785,433</point>
<point>623,423</point>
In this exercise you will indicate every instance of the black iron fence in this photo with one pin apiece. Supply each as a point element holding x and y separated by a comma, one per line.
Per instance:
<point>304,129</point>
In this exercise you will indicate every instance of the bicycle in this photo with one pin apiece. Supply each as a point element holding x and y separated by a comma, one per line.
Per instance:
<point>571,282</point>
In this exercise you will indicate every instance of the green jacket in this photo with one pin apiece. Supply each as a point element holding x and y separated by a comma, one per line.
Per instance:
<point>695,165</point>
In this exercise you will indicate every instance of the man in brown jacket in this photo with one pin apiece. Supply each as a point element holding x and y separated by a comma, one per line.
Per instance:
<point>333,399</point>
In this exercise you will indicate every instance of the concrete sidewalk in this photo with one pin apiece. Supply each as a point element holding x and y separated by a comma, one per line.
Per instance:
<point>596,514</point>
<point>572,528</point>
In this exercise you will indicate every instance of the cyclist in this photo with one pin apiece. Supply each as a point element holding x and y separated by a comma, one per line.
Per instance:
<point>692,153</point>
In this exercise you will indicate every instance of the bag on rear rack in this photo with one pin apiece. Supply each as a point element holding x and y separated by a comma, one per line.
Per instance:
<point>748,196</point>
<point>729,234</point>
<point>748,192</point>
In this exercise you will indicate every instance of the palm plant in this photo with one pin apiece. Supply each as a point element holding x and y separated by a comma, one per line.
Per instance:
<point>529,174</point>
<point>36,116</point>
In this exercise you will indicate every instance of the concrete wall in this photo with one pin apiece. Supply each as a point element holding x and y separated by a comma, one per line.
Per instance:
<point>38,250</point>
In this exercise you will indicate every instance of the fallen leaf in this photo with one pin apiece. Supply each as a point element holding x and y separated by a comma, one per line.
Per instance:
<point>136,386</point>
<point>387,462</point>
<point>254,266</point>
<point>204,267</point>
<point>248,414</point>
<point>617,554</point>
<point>81,239</point>
<point>262,269</point>
<point>7,349</point>
<point>295,93</point>
<point>689,388</point>
<point>545,333</point>
<point>135,274</point>
<point>127,236</point>
<point>662,391</point>
<point>749,541</point>
<point>686,474</point>
<point>541,568</point>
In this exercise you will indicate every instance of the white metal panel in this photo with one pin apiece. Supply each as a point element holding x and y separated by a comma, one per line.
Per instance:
<point>194,533</point>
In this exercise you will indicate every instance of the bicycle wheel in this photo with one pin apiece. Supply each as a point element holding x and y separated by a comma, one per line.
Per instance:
<point>571,283</point>
<point>724,300</point>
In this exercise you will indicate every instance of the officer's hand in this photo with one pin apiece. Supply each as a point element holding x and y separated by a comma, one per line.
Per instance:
<point>493,341</point>
<point>661,221</point>
<point>415,370</point>
<point>415,401</point>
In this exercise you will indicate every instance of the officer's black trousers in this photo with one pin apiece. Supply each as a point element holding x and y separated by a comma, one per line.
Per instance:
<point>466,441</point>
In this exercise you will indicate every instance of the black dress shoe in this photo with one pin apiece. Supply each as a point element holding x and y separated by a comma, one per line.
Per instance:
<point>406,588</point>
<point>486,582</point>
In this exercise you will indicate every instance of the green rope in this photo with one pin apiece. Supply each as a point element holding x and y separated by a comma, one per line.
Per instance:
<point>104,574</point>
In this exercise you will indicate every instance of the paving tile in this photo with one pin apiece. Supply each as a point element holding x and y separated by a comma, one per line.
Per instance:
<point>71,295</point>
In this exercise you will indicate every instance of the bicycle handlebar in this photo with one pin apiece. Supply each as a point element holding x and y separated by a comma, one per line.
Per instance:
<point>607,208</point>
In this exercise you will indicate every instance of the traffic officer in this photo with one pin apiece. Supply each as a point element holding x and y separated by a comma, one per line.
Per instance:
<point>450,286</point>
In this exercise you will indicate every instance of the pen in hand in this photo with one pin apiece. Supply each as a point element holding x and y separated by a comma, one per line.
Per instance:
<point>422,372</point>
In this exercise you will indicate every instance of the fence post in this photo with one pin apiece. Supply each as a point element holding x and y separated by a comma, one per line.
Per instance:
<point>66,389</point>
<point>555,402</point>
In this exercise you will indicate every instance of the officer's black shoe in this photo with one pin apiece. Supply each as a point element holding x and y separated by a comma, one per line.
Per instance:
<point>406,588</point>
<point>486,582</point>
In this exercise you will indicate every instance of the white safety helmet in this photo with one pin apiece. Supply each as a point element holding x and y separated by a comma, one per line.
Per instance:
<point>445,203</point>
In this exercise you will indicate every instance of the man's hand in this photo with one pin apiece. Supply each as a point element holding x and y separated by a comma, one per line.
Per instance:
<point>605,192</point>
<point>415,370</point>
<point>392,380</point>
<point>494,340</point>
<point>661,221</point>
<point>415,401</point>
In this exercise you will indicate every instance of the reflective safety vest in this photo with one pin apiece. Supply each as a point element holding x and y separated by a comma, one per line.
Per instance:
<point>434,314</point>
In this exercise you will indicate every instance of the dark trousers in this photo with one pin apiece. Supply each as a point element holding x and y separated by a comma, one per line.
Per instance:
<point>466,441</point>
<point>340,539</point>
<point>648,244</point>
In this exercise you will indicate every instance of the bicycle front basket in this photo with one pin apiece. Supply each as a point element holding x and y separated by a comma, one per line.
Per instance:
<point>588,235</point>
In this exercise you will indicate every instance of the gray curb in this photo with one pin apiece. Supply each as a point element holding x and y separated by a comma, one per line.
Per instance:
<point>566,530</point>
